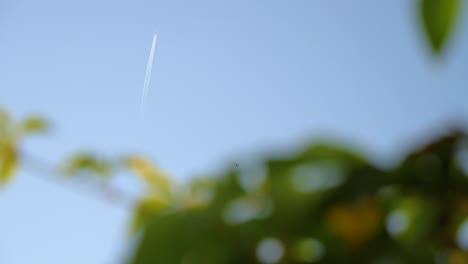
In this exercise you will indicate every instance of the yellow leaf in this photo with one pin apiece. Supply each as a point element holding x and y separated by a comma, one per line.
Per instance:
<point>355,223</point>
<point>8,161</point>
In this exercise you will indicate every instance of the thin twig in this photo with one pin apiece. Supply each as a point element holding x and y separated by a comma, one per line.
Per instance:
<point>104,192</point>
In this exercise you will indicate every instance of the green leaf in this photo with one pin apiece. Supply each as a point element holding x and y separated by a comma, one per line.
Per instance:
<point>34,124</point>
<point>438,17</point>
<point>8,161</point>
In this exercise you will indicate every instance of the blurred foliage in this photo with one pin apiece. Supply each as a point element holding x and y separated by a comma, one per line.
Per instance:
<point>158,194</point>
<point>439,17</point>
<point>324,204</point>
<point>11,132</point>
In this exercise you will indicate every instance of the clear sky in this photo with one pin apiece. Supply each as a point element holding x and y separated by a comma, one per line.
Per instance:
<point>229,77</point>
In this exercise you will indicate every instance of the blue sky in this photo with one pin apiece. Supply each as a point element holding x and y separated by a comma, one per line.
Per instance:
<point>229,78</point>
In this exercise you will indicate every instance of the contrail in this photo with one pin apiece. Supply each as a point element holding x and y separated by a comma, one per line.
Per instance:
<point>150,64</point>
<point>144,93</point>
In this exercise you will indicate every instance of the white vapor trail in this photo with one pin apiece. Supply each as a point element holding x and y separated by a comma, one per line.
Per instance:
<point>144,93</point>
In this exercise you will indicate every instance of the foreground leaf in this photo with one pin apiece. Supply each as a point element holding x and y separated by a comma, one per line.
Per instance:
<point>438,17</point>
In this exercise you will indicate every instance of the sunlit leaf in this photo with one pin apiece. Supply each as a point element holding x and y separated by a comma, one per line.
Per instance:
<point>439,18</point>
<point>34,124</point>
<point>153,176</point>
<point>8,161</point>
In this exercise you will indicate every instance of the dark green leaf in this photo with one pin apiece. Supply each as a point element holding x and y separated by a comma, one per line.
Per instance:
<point>438,17</point>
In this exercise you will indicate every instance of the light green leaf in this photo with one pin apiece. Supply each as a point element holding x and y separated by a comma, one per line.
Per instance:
<point>438,17</point>
<point>146,209</point>
<point>87,163</point>
<point>34,124</point>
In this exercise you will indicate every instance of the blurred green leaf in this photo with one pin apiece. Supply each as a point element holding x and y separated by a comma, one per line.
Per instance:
<point>5,123</point>
<point>146,209</point>
<point>86,163</point>
<point>34,124</point>
<point>438,17</point>
<point>193,237</point>
<point>8,160</point>
<point>412,221</point>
